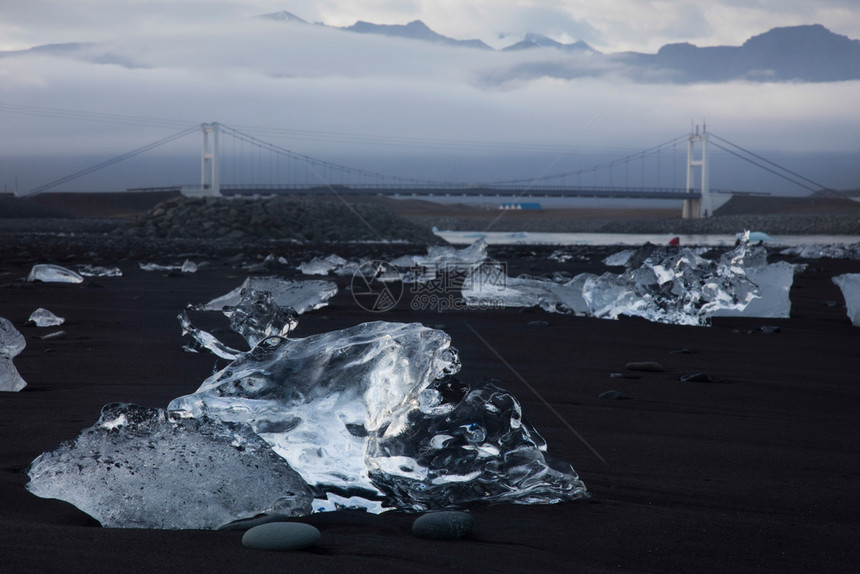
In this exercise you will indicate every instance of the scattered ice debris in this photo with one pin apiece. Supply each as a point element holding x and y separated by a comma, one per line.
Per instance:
<point>831,251</point>
<point>302,296</point>
<point>372,412</point>
<point>660,283</point>
<point>50,273</point>
<point>849,283</point>
<point>140,467</point>
<point>12,342</point>
<point>53,335</point>
<point>99,271</point>
<point>187,266</point>
<point>44,318</point>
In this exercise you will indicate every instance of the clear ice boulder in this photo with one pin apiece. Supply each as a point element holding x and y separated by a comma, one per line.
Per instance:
<point>12,342</point>
<point>138,467</point>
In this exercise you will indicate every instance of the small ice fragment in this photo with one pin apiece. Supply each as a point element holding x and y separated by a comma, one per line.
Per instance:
<point>619,259</point>
<point>186,267</point>
<point>99,271</point>
<point>322,265</point>
<point>440,260</point>
<point>44,318</point>
<point>49,273</point>
<point>12,343</point>
<point>139,468</point>
<point>205,340</point>
<point>849,283</point>
<point>302,296</point>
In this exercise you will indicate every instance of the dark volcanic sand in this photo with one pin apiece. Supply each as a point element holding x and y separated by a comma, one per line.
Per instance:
<point>756,473</point>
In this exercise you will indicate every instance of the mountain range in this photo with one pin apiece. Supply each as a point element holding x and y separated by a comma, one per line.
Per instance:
<point>809,53</point>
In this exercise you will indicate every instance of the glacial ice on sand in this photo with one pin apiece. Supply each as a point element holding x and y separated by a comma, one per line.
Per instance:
<point>12,342</point>
<point>43,318</point>
<point>187,266</point>
<point>322,265</point>
<point>661,284</point>
<point>441,259</point>
<point>301,296</point>
<point>255,317</point>
<point>374,411</point>
<point>50,273</point>
<point>849,283</point>
<point>99,271</point>
<point>140,467</point>
<point>370,416</point>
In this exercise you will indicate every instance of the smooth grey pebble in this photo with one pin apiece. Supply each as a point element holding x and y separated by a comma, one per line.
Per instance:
<point>281,536</point>
<point>443,525</point>
<point>611,394</point>
<point>651,366</point>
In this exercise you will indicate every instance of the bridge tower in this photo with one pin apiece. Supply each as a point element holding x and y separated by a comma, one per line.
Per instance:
<point>699,207</point>
<point>210,181</point>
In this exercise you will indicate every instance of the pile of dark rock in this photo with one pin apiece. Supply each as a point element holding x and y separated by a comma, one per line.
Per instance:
<point>275,218</point>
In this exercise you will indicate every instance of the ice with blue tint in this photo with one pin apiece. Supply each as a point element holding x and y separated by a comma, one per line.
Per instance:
<point>849,283</point>
<point>12,342</point>
<point>140,467</point>
<point>50,273</point>
<point>373,413</point>
<point>322,265</point>
<point>187,266</point>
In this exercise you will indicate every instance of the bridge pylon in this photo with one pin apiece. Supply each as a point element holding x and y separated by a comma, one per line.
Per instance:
<point>210,180</point>
<point>696,208</point>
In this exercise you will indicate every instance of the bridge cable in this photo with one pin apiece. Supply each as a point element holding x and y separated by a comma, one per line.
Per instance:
<point>764,159</point>
<point>773,171</point>
<point>112,161</point>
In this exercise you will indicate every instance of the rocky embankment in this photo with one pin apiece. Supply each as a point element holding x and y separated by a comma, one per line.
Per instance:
<point>278,218</point>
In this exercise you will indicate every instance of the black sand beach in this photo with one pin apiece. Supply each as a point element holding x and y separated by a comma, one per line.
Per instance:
<point>756,472</point>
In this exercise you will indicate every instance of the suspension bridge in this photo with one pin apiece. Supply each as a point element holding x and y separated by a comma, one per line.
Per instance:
<point>235,163</point>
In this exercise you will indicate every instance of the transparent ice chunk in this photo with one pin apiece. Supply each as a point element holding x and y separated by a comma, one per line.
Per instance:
<point>138,468</point>
<point>187,266</point>
<point>849,283</point>
<point>355,412</point>
<point>99,271</point>
<point>12,342</point>
<point>487,286</point>
<point>774,283</point>
<point>322,265</point>
<point>301,296</point>
<point>43,318</point>
<point>50,273</point>
<point>441,259</point>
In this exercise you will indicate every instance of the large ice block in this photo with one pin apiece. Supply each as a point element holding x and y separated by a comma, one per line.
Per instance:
<point>12,342</point>
<point>137,467</point>
<point>361,411</point>
<point>849,283</point>
<point>302,296</point>
<point>50,273</point>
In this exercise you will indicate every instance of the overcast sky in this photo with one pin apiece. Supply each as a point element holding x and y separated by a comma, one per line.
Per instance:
<point>159,65</point>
